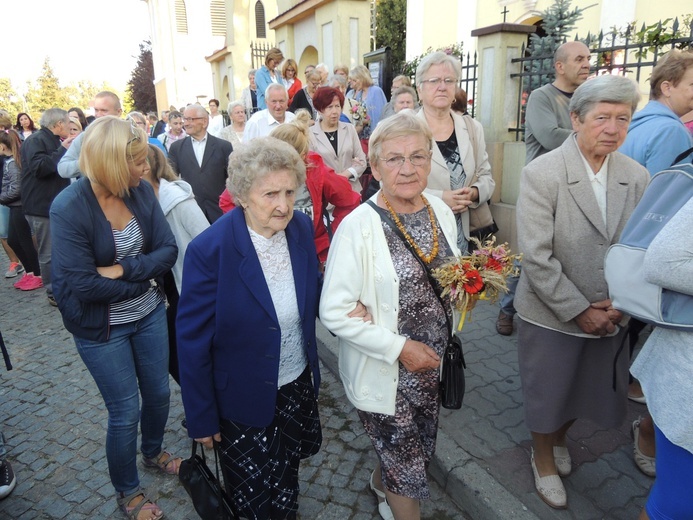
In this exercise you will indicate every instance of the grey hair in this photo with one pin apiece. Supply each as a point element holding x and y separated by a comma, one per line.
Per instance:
<point>201,111</point>
<point>275,86</point>
<point>53,116</point>
<point>438,58</point>
<point>405,90</point>
<point>137,115</point>
<point>402,124</point>
<point>233,105</point>
<point>604,89</point>
<point>257,158</point>
<point>337,78</point>
<point>252,72</point>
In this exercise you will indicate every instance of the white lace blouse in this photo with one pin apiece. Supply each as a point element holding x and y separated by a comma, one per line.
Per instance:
<point>275,261</point>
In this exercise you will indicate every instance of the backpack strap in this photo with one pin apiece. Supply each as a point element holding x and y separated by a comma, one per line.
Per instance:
<point>682,156</point>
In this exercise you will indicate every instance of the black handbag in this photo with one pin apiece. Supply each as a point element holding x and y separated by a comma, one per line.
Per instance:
<point>205,489</point>
<point>452,383</point>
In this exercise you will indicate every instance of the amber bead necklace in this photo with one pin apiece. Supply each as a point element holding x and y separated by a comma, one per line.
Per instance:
<point>427,259</point>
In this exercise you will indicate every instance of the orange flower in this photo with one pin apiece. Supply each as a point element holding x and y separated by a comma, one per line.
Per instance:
<point>493,264</point>
<point>474,283</point>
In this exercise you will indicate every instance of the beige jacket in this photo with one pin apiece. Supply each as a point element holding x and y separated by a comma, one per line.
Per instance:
<point>563,236</point>
<point>439,179</point>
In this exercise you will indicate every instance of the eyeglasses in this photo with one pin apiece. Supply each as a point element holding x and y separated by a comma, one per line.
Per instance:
<point>190,119</point>
<point>434,82</point>
<point>417,159</point>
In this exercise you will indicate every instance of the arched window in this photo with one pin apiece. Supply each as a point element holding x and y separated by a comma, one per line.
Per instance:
<point>217,13</point>
<point>260,30</point>
<point>181,17</point>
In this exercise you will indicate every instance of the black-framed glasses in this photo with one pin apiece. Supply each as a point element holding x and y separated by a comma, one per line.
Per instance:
<point>397,161</point>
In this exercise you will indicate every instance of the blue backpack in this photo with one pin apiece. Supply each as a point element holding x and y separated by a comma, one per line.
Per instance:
<point>667,193</point>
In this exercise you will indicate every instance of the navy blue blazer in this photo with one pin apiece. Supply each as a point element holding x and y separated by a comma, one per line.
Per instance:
<point>227,329</point>
<point>207,181</point>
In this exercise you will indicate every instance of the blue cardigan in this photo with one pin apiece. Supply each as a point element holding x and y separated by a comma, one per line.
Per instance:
<point>82,240</point>
<point>227,329</point>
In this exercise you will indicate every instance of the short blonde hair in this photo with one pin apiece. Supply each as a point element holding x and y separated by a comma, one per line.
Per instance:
<point>361,73</point>
<point>110,145</point>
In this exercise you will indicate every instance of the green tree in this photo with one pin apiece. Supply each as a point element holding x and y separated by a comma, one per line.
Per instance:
<point>46,93</point>
<point>391,29</point>
<point>558,22</point>
<point>141,85</point>
<point>10,100</point>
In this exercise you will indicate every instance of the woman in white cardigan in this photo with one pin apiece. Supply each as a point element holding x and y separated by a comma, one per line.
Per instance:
<point>390,364</point>
<point>460,171</point>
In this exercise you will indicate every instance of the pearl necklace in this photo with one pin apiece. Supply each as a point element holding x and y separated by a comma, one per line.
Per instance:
<point>427,259</point>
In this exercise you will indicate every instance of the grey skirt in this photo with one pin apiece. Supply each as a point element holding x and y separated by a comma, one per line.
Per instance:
<point>568,377</point>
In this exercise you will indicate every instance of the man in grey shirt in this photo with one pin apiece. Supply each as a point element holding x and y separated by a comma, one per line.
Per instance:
<point>547,125</point>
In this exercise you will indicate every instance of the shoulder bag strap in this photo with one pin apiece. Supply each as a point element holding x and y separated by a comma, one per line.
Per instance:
<point>682,156</point>
<point>385,217</point>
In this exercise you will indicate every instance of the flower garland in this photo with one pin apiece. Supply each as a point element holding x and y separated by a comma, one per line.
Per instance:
<point>427,259</point>
<point>481,275</point>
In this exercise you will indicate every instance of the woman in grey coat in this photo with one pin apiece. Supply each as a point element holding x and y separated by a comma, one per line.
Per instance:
<point>573,204</point>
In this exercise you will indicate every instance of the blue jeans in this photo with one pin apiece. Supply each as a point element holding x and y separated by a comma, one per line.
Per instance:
<point>3,451</point>
<point>507,302</point>
<point>135,357</point>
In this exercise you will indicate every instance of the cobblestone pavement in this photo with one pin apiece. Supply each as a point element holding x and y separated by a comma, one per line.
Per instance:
<point>55,423</point>
<point>482,458</point>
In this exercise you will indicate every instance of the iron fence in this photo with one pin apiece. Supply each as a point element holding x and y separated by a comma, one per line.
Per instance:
<point>469,80</point>
<point>613,53</point>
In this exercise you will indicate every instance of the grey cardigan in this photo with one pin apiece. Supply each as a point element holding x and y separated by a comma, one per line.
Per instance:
<point>563,236</point>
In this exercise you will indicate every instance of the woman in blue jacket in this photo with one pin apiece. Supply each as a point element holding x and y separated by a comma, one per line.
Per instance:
<point>111,248</point>
<point>247,352</point>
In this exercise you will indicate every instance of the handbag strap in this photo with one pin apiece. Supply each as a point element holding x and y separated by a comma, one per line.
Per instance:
<point>385,217</point>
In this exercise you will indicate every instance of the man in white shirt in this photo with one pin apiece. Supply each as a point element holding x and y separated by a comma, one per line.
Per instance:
<point>201,160</point>
<point>264,121</point>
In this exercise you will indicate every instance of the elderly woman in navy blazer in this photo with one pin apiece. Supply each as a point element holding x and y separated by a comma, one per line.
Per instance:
<point>246,333</point>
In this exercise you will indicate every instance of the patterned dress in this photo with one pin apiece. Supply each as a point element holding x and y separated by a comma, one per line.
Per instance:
<point>405,442</point>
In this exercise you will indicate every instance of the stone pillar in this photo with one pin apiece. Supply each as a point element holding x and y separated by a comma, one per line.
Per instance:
<point>496,109</point>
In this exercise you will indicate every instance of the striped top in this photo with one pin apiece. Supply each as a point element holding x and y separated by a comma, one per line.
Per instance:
<point>129,242</point>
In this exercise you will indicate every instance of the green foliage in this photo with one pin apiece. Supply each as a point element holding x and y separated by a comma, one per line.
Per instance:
<point>141,85</point>
<point>409,68</point>
<point>46,92</point>
<point>391,29</point>
<point>660,37</point>
<point>10,100</point>
<point>558,22</point>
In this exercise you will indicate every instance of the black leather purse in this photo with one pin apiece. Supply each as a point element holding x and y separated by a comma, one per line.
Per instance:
<point>205,489</point>
<point>452,382</point>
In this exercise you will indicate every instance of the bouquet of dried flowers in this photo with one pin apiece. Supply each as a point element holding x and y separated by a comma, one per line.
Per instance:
<point>481,275</point>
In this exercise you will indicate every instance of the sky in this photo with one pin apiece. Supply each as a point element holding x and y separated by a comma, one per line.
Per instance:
<point>94,40</point>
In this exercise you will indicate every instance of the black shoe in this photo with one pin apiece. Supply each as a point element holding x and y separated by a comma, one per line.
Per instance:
<point>7,479</point>
<point>52,301</point>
